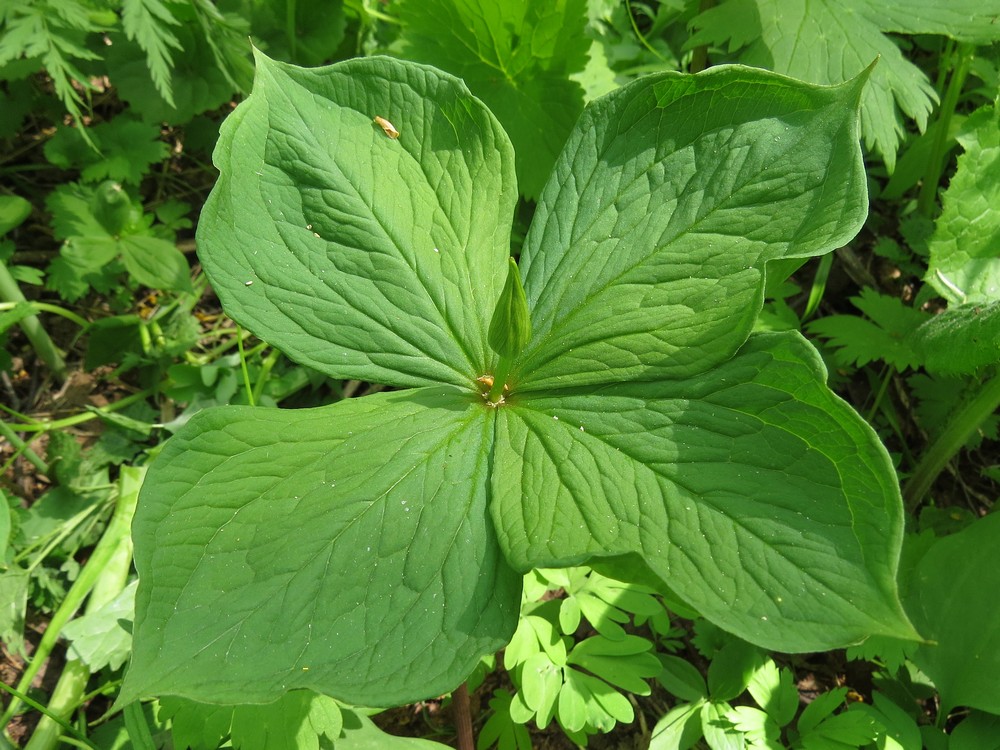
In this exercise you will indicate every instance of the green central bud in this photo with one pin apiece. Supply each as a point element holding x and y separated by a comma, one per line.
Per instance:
<point>510,328</point>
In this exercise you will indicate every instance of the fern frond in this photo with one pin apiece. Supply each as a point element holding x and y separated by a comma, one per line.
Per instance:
<point>148,23</point>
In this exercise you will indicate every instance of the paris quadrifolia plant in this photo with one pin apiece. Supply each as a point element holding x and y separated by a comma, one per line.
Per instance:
<point>602,399</point>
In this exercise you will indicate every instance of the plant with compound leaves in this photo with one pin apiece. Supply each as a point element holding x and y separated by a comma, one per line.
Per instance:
<point>372,549</point>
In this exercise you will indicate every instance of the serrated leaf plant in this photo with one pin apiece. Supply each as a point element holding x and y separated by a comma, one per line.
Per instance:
<point>373,549</point>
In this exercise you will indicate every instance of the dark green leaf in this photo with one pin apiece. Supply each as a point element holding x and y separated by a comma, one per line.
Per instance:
<point>517,57</point>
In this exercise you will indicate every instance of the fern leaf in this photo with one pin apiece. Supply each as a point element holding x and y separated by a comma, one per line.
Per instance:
<point>148,23</point>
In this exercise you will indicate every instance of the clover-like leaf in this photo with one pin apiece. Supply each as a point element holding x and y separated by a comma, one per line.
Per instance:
<point>369,549</point>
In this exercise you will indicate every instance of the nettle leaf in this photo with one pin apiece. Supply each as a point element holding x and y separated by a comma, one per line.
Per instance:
<point>516,56</point>
<point>828,41</point>
<point>965,261</point>
<point>377,258</point>
<point>370,549</point>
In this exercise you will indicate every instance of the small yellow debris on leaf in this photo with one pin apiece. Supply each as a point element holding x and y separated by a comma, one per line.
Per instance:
<point>388,127</point>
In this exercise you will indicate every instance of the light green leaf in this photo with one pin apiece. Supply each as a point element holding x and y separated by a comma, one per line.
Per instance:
<point>775,692</point>
<point>682,678</point>
<point>13,211</point>
<point>361,733</point>
<point>344,549</point>
<point>645,258</point>
<point>586,701</point>
<point>948,601</point>
<point>965,254</point>
<point>961,339</point>
<point>365,256</point>
<point>625,664</point>
<point>155,262</point>
<point>829,41</point>
<point>679,729</point>
<point>296,721</point>
<point>517,56</point>
<point>102,638</point>
<point>755,461</point>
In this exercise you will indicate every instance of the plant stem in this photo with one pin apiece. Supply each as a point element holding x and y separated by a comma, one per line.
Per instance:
<point>108,568</point>
<point>926,201</point>
<point>463,718</point>
<point>36,461</point>
<point>243,366</point>
<point>32,327</point>
<point>949,442</point>
<point>58,424</point>
<point>500,379</point>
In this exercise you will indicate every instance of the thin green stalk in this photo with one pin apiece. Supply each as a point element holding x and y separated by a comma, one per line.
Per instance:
<point>927,199</point>
<point>32,327</point>
<point>960,428</point>
<point>113,552</point>
<point>54,309</point>
<point>818,286</point>
<point>265,371</point>
<point>29,701</point>
<point>58,424</point>
<point>70,691</point>
<point>243,367</point>
<point>639,34</point>
<point>22,447</point>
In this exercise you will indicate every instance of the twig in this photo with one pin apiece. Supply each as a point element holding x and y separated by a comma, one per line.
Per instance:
<point>463,718</point>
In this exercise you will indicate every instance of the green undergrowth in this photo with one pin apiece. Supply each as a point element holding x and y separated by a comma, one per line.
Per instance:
<point>628,367</point>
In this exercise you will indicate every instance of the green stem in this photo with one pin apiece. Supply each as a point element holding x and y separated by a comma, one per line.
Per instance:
<point>21,446</point>
<point>32,327</point>
<point>108,566</point>
<point>500,379</point>
<point>70,691</point>
<point>949,442</point>
<point>243,367</point>
<point>54,309</point>
<point>927,199</point>
<point>265,372</point>
<point>639,34</point>
<point>29,701</point>
<point>58,424</point>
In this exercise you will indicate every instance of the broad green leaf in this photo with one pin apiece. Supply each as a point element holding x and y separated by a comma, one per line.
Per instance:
<point>829,41</point>
<point>344,549</point>
<point>645,258</point>
<point>98,638</point>
<point>965,254</point>
<point>952,600</point>
<point>961,339</point>
<point>517,57</point>
<point>759,497</point>
<point>361,255</point>
<point>361,733</point>
<point>298,720</point>
<point>155,262</point>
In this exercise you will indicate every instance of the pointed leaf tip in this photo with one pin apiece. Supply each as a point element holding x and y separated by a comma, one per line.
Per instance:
<point>510,328</point>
